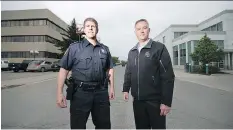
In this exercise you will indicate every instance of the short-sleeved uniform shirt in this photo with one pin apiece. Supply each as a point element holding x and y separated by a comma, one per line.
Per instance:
<point>90,63</point>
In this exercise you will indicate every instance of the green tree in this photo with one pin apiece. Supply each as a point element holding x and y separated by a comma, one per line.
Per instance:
<point>115,59</point>
<point>206,51</point>
<point>73,34</point>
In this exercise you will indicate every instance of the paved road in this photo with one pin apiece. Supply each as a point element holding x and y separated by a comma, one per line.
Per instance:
<point>194,106</point>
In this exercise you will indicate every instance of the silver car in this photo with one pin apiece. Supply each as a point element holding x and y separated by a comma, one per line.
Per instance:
<point>39,65</point>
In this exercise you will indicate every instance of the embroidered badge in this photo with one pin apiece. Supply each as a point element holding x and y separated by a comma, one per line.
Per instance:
<point>103,51</point>
<point>147,54</point>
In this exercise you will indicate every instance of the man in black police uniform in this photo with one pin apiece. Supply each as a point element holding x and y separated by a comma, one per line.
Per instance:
<point>91,64</point>
<point>150,76</point>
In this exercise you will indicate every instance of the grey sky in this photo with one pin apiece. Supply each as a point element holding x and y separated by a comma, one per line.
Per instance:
<point>116,19</point>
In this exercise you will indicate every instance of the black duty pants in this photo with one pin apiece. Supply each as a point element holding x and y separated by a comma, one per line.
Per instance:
<point>147,115</point>
<point>97,102</point>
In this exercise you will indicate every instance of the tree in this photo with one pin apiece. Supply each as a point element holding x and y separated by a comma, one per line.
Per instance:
<point>115,59</point>
<point>206,51</point>
<point>73,34</point>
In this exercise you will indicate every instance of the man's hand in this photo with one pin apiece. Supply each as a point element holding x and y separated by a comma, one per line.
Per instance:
<point>111,94</point>
<point>61,101</point>
<point>164,110</point>
<point>126,96</point>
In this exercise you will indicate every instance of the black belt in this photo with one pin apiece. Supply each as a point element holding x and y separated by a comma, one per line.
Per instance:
<point>88,86</point>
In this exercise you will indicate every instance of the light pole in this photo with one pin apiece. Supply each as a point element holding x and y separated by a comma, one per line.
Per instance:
<point>34,52</point>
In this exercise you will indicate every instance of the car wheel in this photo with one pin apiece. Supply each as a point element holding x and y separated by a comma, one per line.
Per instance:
<point>42,69</point>
<point>16,70</point>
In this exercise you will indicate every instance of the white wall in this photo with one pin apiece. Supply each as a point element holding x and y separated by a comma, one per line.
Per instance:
<point>228,27</point>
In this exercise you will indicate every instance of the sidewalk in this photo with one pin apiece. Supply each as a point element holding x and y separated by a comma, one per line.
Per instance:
<point>217,81</point>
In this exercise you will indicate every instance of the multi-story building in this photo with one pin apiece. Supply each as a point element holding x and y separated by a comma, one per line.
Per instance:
<point>182,39</point>
<point>29,34</point>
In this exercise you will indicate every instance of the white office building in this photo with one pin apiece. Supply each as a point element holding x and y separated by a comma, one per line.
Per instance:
<point>181,40</point>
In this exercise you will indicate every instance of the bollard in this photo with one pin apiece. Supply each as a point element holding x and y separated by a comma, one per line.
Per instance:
<point>207,69</point>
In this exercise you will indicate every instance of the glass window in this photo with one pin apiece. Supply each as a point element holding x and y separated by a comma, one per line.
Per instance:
<point>17,23</point>
<point>12,23</point>
<point>219,27</point>
<point>4,23</point>
<point>36,39</point>
<point>30,38</point>
<point>22,38</point>
<point>41,22</point>
<point>27,38</point>
<point>4,39</point>
<point>22,23</point>
<point>214,28</point>
<point>8,23</point>
<point>31,23</point>
<point>40,38</point>
<point>9,39</point>
<point>26,23</point>
<point>44,22</point>
<point>36,22</point>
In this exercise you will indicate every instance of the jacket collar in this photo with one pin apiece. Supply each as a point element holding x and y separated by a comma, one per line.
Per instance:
<point>148,45</point>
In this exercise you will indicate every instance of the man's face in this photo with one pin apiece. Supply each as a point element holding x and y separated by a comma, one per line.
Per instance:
<point>142,31</point>
<point>90,29</point>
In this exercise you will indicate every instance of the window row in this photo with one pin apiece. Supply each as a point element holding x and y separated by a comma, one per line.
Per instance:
<point>178,34</point>
<point>27,54</point>
<point>42,22</point>
<point>40,38</point>
<point>216,27</point>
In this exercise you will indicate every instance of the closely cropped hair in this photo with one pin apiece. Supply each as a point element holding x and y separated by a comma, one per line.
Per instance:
<point>141,20</point>
<point>92,20</point>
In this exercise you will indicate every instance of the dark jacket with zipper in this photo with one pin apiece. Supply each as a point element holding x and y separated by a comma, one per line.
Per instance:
<point>149,74</point>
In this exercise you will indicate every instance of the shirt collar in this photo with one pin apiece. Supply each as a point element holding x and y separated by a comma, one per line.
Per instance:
<point>86,42</point>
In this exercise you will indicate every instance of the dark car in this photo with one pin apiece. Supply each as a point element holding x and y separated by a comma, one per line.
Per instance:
<point>12,66</point>
<point>23,66</point>
<point>55,67</point>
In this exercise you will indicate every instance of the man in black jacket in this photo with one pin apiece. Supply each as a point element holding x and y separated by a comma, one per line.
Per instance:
<point>149,75</point>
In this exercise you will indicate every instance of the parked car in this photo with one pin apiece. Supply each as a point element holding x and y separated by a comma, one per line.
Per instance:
<point>13,65</point>
<point>55,67</point>
<point>39,65</point>
<point>4,64</point>
<point>23,66</point>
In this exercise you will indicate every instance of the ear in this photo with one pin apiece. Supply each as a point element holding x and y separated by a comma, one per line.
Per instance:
<point>97,30</point>
<point>149,29</point>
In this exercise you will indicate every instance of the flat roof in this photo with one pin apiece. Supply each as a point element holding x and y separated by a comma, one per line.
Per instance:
<point>196,25</point>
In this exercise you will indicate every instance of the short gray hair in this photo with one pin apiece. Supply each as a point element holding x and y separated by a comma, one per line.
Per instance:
<point>92,20</point>
<point>141,20</point>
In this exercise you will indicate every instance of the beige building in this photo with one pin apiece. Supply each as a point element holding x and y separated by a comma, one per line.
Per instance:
<point>28,34</point>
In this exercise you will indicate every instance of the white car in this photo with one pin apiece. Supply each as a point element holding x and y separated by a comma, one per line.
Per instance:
<point>4,64</point>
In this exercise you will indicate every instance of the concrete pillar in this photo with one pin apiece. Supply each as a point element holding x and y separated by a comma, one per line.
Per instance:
<point>192,49</point>
<point>178,54</point>
<point>229,60</point>
<point>231,66</point>
<point>225,60</point>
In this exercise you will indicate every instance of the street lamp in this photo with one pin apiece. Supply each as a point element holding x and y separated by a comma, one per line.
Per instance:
<point>34,52</point>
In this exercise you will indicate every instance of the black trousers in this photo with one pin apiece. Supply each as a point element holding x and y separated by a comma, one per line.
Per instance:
<point>147,115</point>
<point>96,102</point>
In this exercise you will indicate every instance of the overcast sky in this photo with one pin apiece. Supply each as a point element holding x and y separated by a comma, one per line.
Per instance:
<point>116,19</point>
